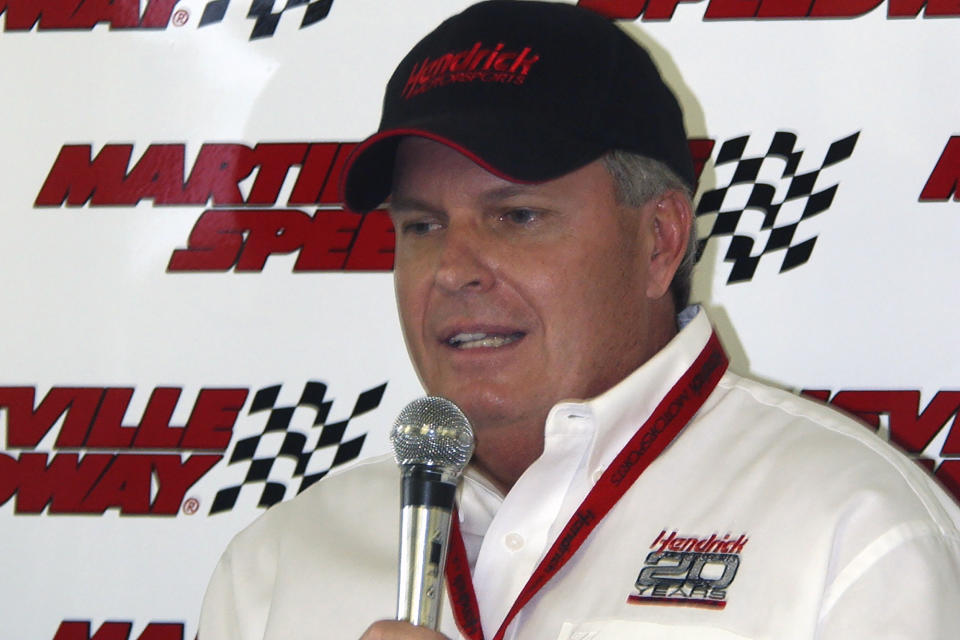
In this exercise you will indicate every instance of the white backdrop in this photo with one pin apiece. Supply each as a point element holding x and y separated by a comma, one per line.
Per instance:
<point>134,394</point>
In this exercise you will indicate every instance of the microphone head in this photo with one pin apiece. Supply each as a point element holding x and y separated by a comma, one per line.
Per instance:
<point>432,432</point>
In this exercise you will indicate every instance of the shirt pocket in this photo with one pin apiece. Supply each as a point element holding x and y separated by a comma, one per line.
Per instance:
<point>633,630</point>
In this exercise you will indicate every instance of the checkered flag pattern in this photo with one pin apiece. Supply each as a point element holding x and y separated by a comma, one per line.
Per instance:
<point>783,202</point>
<point>267,21</point>
<point>311,450</point>
<point>262,11</point>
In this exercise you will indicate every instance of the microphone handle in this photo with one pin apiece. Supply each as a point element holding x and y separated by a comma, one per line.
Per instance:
<point>427,504</point>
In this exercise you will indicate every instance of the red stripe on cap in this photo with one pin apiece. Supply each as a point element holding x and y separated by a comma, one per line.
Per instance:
<point>429,135</point>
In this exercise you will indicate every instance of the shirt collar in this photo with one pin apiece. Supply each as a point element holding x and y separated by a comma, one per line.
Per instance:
<point>615,415</point>
<point>618,412</point>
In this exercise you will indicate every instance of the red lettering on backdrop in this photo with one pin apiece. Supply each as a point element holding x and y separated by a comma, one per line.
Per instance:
<point>93,418</point>
<point>21,15</point>
<point>784,8</point>
<point>280,231</point>
<point>26,427</point>
<point>217,172</point>
<point>80,630</point>
<point>157,14</point>
<point>62,483</point>
<point>76,177</point>
<point>911,8</point>
<point>910,428</point>
<point>94,482</point>
<point>772,9</point>
<point>311,186</point>
<point>373,248</point>
<point>944,180</point>
<point>731,9</point>
<point>121,14</point>
<point>842,8</point>
<point>211,423</point>
<point>107,430</point>
<point>331,240</point>
<point>275,160</point>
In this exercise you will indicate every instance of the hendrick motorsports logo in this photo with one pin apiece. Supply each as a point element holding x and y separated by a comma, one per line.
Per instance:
<point>72,452</point>
<point>689,570</point>
<point>46,15</point>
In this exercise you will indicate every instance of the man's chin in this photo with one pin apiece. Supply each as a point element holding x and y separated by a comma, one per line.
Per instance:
<point>487,411</point>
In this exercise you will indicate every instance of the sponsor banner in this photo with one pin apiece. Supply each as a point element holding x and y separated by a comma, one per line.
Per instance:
<point>195,329</point>
<point>775,9</point>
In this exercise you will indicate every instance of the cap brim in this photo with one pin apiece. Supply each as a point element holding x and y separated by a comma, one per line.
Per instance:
<point>521,151</point>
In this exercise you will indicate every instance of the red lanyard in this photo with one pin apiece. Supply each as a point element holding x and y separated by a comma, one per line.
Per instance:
<point>676,409</point>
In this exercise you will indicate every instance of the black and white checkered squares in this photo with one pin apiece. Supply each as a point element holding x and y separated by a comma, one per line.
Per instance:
<point>266,19</point>
<point>296,442</point>
<point>765,200</point>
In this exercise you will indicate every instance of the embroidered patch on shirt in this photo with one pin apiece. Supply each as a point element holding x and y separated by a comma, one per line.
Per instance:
<point>689,570</point>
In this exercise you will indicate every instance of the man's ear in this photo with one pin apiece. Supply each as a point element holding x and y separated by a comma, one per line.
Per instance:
<point>672,218</point>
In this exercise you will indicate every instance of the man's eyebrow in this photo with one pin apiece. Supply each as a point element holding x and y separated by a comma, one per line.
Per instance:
<point>405,203</point>
<point>401,203</point>
<point>506,191</point>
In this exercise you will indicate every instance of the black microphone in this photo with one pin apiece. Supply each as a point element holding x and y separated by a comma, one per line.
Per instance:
<point>432,442</point>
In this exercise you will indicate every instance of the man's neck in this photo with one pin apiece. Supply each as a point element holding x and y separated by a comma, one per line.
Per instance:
<point>504,452</point>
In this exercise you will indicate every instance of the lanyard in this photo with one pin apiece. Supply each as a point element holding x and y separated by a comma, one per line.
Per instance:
<point>673,413</point>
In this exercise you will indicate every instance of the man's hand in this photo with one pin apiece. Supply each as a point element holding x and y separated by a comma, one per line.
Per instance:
<point>393,630</point>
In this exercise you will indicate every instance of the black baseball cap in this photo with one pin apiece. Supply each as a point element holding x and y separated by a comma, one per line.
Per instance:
<point>528,90</point>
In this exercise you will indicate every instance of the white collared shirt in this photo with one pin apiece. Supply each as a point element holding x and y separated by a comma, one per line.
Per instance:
<point>801,522</point>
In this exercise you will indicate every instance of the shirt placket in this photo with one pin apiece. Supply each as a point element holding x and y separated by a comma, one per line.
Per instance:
<point>518,535</point>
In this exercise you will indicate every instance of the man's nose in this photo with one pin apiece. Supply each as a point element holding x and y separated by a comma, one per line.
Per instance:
<point>465,262</point>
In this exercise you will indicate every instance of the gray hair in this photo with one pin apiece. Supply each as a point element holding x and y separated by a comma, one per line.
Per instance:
<point>637,180</point>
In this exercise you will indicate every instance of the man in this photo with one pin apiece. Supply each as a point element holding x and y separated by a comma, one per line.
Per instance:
<point>624,485</point>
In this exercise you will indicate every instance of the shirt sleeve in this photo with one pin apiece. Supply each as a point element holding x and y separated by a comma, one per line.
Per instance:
<point>236,605</point>
<point>904,584</point>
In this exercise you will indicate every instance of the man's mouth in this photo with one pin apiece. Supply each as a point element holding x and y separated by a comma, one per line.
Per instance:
<point>483,340</point>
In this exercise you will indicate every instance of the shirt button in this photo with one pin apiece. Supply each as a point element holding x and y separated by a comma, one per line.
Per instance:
<point>595,476</point>
<point>513,541</point>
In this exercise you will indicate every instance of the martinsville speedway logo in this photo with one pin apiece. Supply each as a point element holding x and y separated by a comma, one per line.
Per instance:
<point>243,229</point>
<point>56,15</point>
<point>765,193</point>
<point>51,15</point>
<point>72,452</point>
<point>773,9</point>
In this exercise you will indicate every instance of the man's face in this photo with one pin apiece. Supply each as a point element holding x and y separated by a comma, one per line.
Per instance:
<point>513,297</point>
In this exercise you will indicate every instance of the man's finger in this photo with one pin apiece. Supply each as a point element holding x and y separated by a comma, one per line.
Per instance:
<point>394,630</point>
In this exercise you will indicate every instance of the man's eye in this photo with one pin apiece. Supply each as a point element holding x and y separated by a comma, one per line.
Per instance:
<point>420,227</point>
<point>520,216</point>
